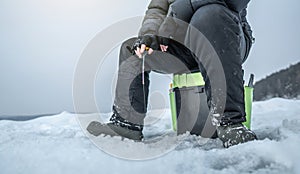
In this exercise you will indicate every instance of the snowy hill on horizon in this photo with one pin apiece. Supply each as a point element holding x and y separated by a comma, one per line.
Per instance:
<point>57,144</point>
<point>285,84</point>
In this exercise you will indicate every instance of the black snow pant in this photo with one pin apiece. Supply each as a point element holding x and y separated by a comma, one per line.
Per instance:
<point>222,71</point>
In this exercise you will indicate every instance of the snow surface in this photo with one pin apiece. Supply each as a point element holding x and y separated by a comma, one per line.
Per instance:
<point>57,144</point>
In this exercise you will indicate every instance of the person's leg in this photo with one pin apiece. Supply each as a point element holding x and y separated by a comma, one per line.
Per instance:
<point>131,96</point>
<point>222,73</point>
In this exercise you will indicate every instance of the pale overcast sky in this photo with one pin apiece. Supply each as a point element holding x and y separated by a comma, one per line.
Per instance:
<point>42,40</point>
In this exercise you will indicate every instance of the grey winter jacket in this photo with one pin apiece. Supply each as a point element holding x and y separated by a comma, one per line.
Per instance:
<point>159,9</point>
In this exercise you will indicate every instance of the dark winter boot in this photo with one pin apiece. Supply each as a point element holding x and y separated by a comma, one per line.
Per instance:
<point>235,134</point>
<point>116,127</point>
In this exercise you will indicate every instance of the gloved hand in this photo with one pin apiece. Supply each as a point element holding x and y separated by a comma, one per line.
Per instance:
<point>149,43</point>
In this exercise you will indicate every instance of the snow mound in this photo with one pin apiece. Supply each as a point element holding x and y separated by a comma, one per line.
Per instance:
<point>58,144</point>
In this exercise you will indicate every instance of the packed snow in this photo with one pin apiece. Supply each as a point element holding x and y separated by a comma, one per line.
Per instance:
<point>59,144</point>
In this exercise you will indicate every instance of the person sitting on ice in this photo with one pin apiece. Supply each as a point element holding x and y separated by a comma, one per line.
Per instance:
<point>224,25</point>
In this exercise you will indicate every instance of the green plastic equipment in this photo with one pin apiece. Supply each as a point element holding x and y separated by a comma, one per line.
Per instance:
<point>191,86</point>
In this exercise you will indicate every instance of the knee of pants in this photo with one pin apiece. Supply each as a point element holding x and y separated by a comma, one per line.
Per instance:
<point>222,29</point>
<point>215,18</point>
<point>125,51</point>
<point>128,42</point>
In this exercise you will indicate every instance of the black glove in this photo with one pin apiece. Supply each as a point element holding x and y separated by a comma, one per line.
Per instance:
<point>151,41</point>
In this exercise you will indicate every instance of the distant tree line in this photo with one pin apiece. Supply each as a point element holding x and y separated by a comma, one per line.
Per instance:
<point>284,84</point>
